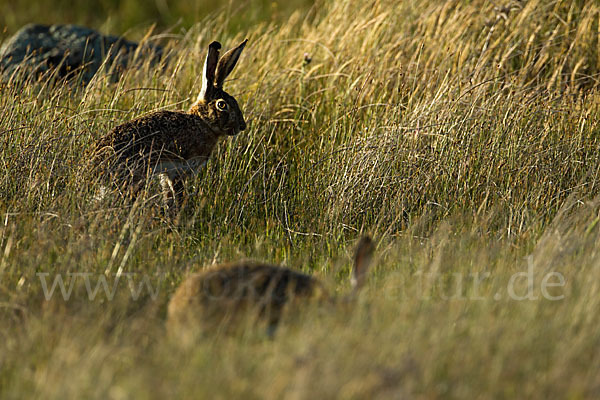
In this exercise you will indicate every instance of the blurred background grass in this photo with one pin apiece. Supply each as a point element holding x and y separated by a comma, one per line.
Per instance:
<point>119,17</point>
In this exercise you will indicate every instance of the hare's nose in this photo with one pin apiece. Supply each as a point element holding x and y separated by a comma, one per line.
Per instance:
<point>242,125</point>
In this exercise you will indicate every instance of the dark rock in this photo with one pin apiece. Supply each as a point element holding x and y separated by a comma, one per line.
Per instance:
<point>70,49</point>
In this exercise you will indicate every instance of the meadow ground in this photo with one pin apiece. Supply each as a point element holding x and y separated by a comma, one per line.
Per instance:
<point>462,135</point>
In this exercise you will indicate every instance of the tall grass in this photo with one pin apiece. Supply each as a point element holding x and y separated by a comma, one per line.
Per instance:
<point>463,136</point>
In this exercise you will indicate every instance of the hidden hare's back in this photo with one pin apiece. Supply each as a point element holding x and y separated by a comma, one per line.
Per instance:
<point>221,295</point>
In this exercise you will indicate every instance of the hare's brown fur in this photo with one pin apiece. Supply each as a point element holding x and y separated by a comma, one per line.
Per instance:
<point>170,135</point>
<point>223,292</point>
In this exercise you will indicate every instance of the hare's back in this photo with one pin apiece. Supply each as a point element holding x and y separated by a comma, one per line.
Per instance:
<point>243,285</point>
<point>168,132</point>
<point>250,281</point>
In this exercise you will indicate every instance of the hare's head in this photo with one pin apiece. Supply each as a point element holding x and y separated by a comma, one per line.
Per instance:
<point>362,262</point>
<point>219,109</point>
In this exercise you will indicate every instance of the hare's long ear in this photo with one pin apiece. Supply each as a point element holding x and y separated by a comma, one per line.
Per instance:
<point>362,262</point>
<point>227,63</point>
<point>208,73</point>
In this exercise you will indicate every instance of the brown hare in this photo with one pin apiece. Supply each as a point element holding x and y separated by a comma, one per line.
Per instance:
<point>220,295</point>
<point>174,144</point>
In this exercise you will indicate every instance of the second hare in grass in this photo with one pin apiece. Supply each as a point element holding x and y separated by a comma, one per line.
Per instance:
<point>221,294</point>
<point>175,144</point>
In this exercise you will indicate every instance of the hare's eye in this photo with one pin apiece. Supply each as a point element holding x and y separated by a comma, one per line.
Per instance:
<point>221,105</point>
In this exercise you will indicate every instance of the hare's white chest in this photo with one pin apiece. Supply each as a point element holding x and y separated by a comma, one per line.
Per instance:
<point>176,168</point>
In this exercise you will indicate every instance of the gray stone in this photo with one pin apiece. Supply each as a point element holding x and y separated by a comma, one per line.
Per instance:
<point>70,49</point>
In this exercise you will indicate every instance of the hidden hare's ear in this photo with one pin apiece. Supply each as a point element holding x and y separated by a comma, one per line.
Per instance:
<point>362,262</point>
<point>227,63</point>
<point>208,72</point>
